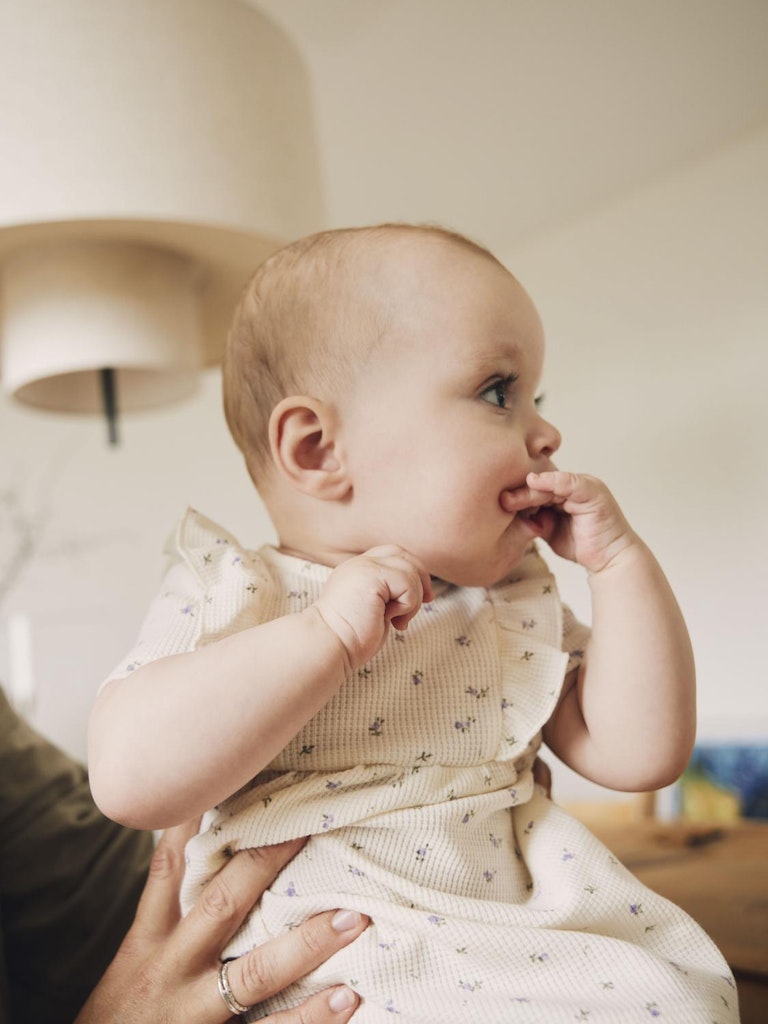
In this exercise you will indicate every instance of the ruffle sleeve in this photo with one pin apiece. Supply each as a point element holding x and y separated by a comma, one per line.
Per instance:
<point>540,641</point>
<point>212,587</point>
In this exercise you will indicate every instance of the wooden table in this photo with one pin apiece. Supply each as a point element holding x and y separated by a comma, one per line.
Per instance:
<point>719,875</point>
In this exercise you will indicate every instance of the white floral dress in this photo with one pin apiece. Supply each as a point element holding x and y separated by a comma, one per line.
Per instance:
<point>488,902</point>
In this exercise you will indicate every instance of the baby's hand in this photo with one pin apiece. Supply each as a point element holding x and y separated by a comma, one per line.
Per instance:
<point>588,525</point>
<point>368,592</point>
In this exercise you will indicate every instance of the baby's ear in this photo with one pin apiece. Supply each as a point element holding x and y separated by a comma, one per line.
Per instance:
<point>303,437</point>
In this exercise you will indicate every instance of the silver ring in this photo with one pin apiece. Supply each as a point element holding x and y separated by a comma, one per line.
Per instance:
<point>226,992</point>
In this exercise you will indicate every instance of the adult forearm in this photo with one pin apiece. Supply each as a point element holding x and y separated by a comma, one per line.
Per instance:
<point>182,733</point>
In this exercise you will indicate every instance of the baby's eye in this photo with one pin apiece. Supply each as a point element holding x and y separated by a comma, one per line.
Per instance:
<point>497,393</point>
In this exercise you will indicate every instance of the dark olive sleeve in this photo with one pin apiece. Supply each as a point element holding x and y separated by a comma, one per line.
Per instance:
<point>70,879</point>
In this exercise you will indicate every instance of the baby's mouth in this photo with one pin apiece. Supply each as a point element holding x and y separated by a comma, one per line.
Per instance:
<point>537,515</point>
<point>529,513</point>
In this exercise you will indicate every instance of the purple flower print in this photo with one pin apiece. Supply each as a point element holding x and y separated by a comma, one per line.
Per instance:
<point>464,726</point>
<point>327,822</point>
<point>567,855</point>
<point>375,727</point>
<point>636,909</point>
<point>653,1009</point>
<point>417,678</point>
<point>436,919</point>
<point>291,890</point>
<point>489,875</point>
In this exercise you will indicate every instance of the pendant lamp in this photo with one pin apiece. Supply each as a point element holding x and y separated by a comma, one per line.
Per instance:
<point>152,153</point>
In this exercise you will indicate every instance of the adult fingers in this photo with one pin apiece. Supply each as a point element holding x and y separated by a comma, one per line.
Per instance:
<point>226,900</point>
<point>333,1006</point>
<point>158,909</point>
<point>271,967</point>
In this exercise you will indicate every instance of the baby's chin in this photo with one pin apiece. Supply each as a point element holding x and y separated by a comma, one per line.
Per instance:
<point>472,576</point>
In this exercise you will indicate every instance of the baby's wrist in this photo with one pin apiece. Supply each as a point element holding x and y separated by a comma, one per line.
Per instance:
<point>340,634</point>
<point>624,552</point>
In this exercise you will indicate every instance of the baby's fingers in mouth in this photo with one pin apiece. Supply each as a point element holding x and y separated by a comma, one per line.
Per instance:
<point>522,499</point>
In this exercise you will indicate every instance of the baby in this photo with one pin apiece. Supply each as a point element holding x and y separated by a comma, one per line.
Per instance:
<point>383,678</point>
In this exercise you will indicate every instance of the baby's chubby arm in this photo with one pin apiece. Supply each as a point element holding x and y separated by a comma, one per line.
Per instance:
<point>184,732</point>
<point>627,718</point>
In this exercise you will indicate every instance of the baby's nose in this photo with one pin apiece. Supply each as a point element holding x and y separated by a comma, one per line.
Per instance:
<point>545,439</point>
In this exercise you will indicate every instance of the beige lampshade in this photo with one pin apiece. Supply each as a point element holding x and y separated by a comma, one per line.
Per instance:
<point>153,153</point>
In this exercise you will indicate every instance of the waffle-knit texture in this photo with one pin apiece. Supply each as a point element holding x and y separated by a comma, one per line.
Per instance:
<point>415,781</point>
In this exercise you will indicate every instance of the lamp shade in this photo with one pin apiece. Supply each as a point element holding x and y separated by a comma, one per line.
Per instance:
<point>153,153</point>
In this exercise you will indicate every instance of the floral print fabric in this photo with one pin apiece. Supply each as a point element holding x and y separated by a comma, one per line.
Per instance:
<point>415,782</point>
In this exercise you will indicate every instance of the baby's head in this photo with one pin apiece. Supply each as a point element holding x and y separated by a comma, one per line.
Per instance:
<point>382,385</point>
<point>308,321</point>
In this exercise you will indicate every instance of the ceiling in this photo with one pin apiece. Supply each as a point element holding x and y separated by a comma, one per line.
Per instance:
<point>504,118</point>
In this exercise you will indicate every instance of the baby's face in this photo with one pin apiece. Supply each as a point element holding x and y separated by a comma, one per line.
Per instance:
<point>444,418</point>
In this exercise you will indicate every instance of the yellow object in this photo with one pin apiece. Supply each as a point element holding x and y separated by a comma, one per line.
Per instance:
<point>705,801</point>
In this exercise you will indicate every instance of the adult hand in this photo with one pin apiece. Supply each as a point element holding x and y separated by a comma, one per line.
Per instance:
<point>166,970</point>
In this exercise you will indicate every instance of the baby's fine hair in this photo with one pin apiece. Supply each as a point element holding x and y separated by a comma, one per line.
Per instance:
<point>306,323</point>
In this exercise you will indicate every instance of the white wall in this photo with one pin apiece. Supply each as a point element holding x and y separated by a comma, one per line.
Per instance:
<point>656,311</point>
<point>100,559</point>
